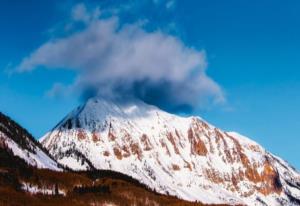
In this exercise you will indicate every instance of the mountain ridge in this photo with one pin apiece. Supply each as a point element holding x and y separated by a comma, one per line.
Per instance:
<point>26,180</point>
<point>181,156</point>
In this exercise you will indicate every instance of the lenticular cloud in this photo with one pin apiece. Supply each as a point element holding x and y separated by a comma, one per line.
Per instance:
<point>114,61</point>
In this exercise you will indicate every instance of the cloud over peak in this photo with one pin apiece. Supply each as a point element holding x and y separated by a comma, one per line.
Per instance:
<point>117,60</point>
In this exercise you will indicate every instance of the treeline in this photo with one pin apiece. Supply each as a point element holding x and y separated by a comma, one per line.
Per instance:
<point>79,156</point>
<point>11,168</point>
<point>14,163</point>
<point>103,189</point>
<point>101,174</point>
<point>21,136</point>
<point>12,130</point>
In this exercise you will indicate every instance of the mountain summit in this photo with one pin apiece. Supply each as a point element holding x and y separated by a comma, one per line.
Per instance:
<point>181,156</point>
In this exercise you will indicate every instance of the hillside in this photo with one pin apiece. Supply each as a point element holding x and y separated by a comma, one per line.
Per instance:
<point>27,179</point>
<point>24,145</point>
<point>22,184</point>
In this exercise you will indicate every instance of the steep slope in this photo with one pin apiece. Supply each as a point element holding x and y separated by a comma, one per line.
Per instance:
<point>15,138</point>
<point>22,183</point>
<point>185,157</point>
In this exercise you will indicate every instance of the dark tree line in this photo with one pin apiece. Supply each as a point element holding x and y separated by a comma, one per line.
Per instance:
<point>19,135</point>
<point>99,174</point>
<point>103,189</point>
<point>14,131</point>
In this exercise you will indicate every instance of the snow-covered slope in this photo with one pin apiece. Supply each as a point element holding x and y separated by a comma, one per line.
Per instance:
<point>13,137</point>
<point>186,157</point>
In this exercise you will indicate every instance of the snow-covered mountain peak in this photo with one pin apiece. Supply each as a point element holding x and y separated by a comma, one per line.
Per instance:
<point>97,114</point>
<point>99,109</point>
<point>181,156</point>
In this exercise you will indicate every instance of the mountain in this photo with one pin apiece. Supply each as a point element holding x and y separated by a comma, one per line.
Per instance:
<point>15,138</point>
<point>24,185</point>
<point>180,156</point>
<point>28,176</point>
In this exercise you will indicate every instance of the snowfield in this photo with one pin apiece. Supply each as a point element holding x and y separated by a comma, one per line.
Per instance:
<point>37,158</point>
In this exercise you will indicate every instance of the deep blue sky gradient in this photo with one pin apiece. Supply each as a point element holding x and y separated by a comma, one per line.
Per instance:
<point>252,49</point>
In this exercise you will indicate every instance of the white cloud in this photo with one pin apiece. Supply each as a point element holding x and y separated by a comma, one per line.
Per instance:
<point>113,59</point>
<point>80,13</point>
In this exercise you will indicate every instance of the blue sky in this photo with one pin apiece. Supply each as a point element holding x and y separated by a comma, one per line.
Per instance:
<point>252,51</point>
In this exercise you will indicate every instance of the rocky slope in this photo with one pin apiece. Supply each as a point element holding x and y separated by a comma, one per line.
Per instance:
<point>15,138</point>
<point>185,157</point>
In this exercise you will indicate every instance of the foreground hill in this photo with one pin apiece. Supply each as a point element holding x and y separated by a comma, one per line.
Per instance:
<point>21,184</point>
<point>183,157</point>
<point>23,145</point>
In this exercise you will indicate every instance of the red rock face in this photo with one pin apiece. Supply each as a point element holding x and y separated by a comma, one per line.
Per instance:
<point>146,142</point>
<point>164,145</point>
<point>118,153</point>
<point>106,153</point>
<point>96,137</point>
<point>136,150</point>
<point>266,182</point>
<point>270,180</point>
<point>111,136</point>
<point>197,145</point>
<point>175,167</point>
<point>172,141</point>
<point>81,135</point>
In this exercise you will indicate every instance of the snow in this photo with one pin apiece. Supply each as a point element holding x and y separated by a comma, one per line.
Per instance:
<point>39,160</point>
<point>169,143</point>
<point>73,163</point>
<point>34,189</point>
